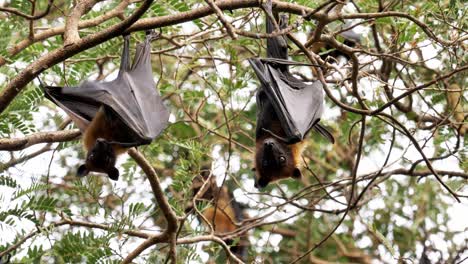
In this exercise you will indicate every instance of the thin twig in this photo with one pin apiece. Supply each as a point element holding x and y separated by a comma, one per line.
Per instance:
<point>229,28</point>
<point>26,16</point>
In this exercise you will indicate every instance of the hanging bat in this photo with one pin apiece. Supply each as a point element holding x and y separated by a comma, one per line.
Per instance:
<point>223,213</point>
<point>287,109</point>
<point>114,116</point>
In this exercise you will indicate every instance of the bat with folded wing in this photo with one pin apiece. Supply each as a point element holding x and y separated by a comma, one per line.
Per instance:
<point>223,212</point>
<point>114,116</point>
<point>287,109</point>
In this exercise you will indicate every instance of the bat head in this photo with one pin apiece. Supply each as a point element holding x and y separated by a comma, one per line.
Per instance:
<point>101,158</point>
<point>274,160</point>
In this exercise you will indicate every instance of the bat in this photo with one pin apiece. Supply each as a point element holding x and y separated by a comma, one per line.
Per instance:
<point>114,116</point>
<point>287,109</point>
<point>223,211</point>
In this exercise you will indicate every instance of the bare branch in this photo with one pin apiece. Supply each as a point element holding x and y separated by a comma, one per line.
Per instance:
<point>152,240</point>
<point>29,73</point>
<point>163,203</point>
<point>20,46</point>
<point>37,138</point>
<point>226,24</point>
<point>26,16</point>
<point>71,35</point>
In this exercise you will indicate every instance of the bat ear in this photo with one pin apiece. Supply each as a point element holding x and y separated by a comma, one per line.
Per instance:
<point>297,173</point>
<point>82,171</point>
<point>113,174</point>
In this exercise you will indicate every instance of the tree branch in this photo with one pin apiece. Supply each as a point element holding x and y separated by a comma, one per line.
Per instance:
<point>71,24</point>
<point>230,30</point>
<point>163,203</point>
<point>12,144</point>
<point>115,12</point>
<point>29,73</point>
<point>26,16</point>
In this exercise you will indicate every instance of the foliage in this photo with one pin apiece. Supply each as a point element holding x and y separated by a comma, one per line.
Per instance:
<point>207,84</point>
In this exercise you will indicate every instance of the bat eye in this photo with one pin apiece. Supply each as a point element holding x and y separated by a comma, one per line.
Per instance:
<point>282,159</point>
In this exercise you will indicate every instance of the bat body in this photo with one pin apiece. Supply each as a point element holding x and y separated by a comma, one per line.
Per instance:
<point>222,213</point>
<point>107,128</point>
<point>114,116</point>
<point>274,158</point>
<point>287,109</point>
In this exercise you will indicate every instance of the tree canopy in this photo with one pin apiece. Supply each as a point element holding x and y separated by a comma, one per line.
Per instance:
<point>392,188</point>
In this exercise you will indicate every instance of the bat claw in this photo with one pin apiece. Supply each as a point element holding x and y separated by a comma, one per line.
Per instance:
<point>152,34</point>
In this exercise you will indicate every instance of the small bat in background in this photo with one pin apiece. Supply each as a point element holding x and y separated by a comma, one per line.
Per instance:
<point>114,116</point>
<point>287,109</point>
<point>223,211</point>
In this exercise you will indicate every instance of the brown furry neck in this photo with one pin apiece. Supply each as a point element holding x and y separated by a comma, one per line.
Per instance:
<point>101,127</point>
<point>297,150</point>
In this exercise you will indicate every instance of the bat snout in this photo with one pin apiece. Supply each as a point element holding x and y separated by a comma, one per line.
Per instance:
<point>256,185</point>
<point>101,141</point>
<point>260,183</point>
<point>82,171</point>
<point>268,144</point>
<point>269,147</point>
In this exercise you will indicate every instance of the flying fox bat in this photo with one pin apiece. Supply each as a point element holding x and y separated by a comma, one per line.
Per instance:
<point>287,109</point>
<point>114,116</point>
<point>223,212</point>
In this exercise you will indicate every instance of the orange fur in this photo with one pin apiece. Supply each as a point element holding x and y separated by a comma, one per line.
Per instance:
<point>223,221</point>
<point>221,214</point>
<point>101,128</point>
<point>297,150</point>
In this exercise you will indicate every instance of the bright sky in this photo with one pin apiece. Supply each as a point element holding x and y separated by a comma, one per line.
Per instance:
<point>27,173</point>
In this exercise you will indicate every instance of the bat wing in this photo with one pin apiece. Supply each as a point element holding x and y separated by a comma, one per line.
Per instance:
<point>266,115</point>
<point>131,97</point>
<point>79,110</point>
<point>277,47</point>
<point>296,104</point>
<point>280,62</point>
<point>154,114</point>
<point>264,108</point>
<point>324,132</point>
<point>299,106</point>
